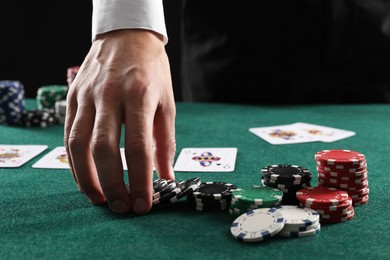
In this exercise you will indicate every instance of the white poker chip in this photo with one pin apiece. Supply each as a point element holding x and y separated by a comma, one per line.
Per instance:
<point>305,233</point>
<point>297,216</point>
<point>257,225</point>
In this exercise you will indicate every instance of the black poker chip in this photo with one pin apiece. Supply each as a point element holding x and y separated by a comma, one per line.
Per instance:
<point>286,173</point>
<point>214,190</point>
<point>188,187</point>
<point>38,118</point>
<point>167,192</point>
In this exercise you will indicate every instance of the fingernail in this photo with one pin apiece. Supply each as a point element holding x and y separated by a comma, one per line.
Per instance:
<point>139,206</point>
<point>119,206</point>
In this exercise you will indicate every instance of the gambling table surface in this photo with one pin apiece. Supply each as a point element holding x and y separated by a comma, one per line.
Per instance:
<point>44,216</point>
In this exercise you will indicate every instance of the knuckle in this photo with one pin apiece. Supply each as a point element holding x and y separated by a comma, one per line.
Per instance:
<point>101,142</point>
<point>136,146</point>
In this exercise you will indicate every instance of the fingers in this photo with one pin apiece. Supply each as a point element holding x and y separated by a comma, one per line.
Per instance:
<point>164,135</point>
<point>139,154</point>
<point>106,154</point>
<point>81,157</point>
<point>71,109</point>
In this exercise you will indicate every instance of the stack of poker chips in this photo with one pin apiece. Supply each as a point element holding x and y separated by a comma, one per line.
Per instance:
<point>48,95</point>
<point>345,170</point>
<point>299,221</point>
<point>38,118</point>
<point>332,204</point>
<point>60,111</point>
<point>211,196</point>
<point>254,197</point>
<point>287,178</point>
<point>12,102</point>
<point>71,74</point>
<point>168,191</point>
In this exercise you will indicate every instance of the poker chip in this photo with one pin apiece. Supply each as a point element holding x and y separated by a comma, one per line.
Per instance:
<point>60,110</point>
<point>288,179</point>
<point>38,118</point>
<point>211,196</point>
<point>340,157</point>
<point>12,102</point>
<point>296,216</point>
<point>285,173</point>
<point>188,187</point>
<point>48,95</point>
<point>321,195</point>
<point>257,225</point>
<point>214,190</point>
<point>305,233</point>
<point>71,73</point>
<point>258,195</point>
<point>344,170</point>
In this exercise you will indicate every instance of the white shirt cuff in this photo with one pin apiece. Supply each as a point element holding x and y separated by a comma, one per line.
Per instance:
<point>109,15</point>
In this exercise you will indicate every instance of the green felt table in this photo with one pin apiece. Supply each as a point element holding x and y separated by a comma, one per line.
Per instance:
<point>44,216</point>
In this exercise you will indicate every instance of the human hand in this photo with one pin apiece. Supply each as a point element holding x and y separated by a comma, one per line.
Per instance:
<point>124,79</point>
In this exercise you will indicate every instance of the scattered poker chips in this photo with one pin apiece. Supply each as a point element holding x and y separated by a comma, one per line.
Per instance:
<point>12,102</point>
<point>254,197</point>
<point>332,204</point>
<point>345,170</point>
<point>48,95</point>
<point>211,196</point>
<point>287,178</point>
<point>257,225</point>
<point>168,191</point>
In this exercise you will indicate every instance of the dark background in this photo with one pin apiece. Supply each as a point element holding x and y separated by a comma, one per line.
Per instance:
<point>39,40</point>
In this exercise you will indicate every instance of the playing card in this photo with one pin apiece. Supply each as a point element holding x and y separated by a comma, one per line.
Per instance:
<point>324,133</point>
<point>58,159</point>
<point>283,134</point>
<point>206,160</point>
<point>55,159</point>
<point>17,155</point>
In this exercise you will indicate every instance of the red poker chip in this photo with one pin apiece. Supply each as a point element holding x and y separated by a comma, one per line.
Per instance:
<point>363,198</point>
<point>337,174</point>
<point>342,168</point>
<point>339,219</point>
<point>359,192</point>
<point>360,202</point>
<point>322,196</point>
<point>335,215</point>
<point>340,157</point>
<point>344,186</point>
<point>337,208</point>
<point>341,181</point>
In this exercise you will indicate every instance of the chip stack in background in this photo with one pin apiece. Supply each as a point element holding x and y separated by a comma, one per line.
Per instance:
<point>12,102</point>
<point>71,74</point>
<point>254,197</point>
<point>345,170</point>
<point>211,196</point>
<point>38,118</point>
<point>48,95</point>
<point>60,111</point>
<point>287,178</point>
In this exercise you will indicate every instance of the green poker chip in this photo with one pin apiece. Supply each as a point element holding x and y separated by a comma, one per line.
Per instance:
<point>257,195</point>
